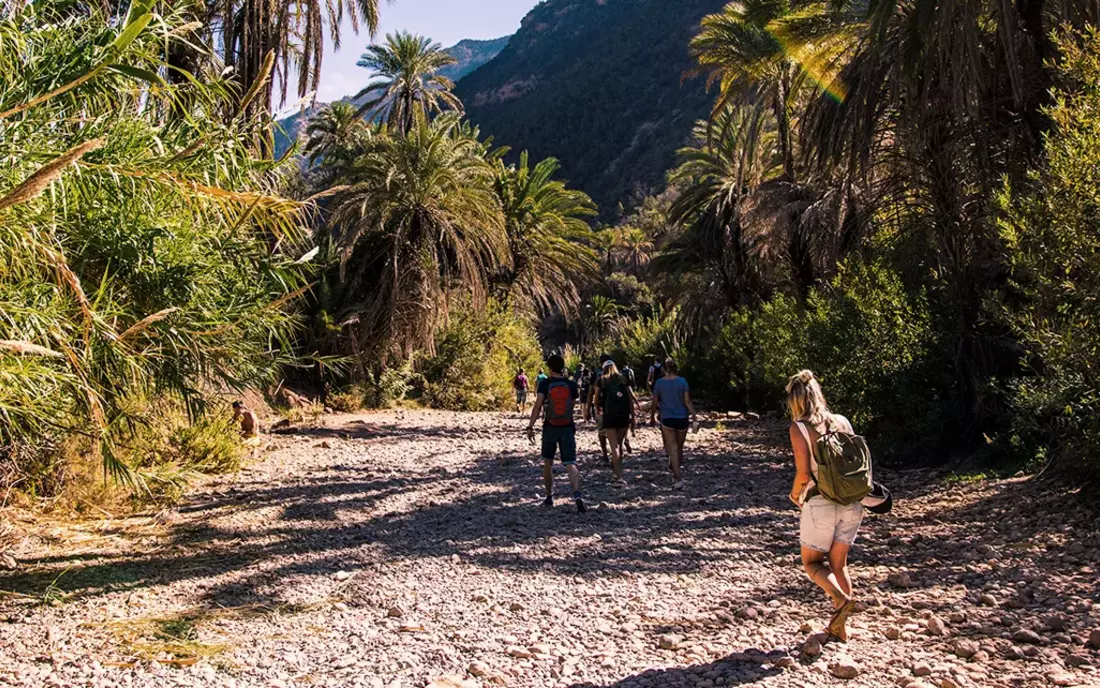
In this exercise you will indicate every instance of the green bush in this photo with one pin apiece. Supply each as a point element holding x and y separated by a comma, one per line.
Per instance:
<point>384,389</point>
<point>476,357</point>
<point>1051,233</point>
<point>869,340</point>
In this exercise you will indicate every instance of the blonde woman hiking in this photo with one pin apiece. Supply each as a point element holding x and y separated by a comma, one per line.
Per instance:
<point>672,397</point>
<point>827,528</point>
<point>614,403</point>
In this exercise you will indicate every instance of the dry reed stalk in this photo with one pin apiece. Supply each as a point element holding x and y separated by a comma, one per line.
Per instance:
<point>35,184</point>
<point>28,349</point>
<point>145,322</point>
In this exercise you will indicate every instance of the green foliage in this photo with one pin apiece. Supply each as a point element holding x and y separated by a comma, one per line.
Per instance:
<point>137,245</point>
<point>386,388</point>
<point>868,339</point>
<point>476,357</point>
<point>1050,230</point>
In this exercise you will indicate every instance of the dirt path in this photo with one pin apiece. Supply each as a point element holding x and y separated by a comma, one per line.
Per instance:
<point>398,548</point>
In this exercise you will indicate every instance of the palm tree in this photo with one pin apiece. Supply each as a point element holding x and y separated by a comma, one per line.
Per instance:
<point>606,242</point>
<point>546,232</point>
<point>599,319</point>
<point>636,245</point>
<point>267,44</point>
<point>416,221</point>
<point>739,51</point>
<point>334,134</point>
<point>407,81</point>
<point>717,177</point>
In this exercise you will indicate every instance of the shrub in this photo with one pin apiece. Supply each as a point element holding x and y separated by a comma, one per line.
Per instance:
<point>869,340</point>
<point>476,357</point>
<point>1051,234</point>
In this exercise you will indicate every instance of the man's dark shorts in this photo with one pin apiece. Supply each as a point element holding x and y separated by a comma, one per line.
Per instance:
<point>563,438</point>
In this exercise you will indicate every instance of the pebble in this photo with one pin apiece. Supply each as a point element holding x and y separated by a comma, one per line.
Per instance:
<point>844,667</point>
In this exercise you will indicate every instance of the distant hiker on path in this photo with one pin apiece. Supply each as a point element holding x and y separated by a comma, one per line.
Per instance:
<point>654,374</point>
<point>559,396</point>
<point>520,384</point>
<point>827,528</point>
<point>614,406</point>
<point>672,398</point>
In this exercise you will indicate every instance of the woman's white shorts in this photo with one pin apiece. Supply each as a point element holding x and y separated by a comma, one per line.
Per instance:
<point>824,522</point>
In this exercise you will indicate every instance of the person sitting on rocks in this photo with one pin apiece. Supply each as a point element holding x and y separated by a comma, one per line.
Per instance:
<point>244,415</point>
<point>827,530</point>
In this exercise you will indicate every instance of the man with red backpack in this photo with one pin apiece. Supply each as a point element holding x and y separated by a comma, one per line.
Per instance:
<point>557,395</point>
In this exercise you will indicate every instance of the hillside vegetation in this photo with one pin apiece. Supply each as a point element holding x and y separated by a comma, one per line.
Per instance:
<point>601,87</point>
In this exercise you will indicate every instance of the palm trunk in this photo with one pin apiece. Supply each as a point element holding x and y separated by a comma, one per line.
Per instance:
<point>783,122</point>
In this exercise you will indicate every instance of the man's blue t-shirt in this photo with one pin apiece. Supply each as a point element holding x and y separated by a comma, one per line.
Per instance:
<point>669,393</point>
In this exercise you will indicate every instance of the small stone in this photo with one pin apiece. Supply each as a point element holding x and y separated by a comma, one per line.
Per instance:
<point>343,575</point>
<point>987,600</point>
<point>395,612</point>
<point>845,668</point>
<point>980,657</point>
<point>451,682</point>
<point>1024,635</point>
<point>1078,661</point>
<point>948,682</point>
<point>892,633</point>
<point>516,607</point>
<point>669,641</point>
<point>1064,679</point>
<point>922,669</point>
<point>519,653</point>
<point>899,579</point>
<point>812,646</point>
<point>747,613</point>
<point>965,649</point>
<point>1094,639</point>
<point>935,626</point>
<point>481,599</point>
<point>478,669</point>
<point>806,627</point>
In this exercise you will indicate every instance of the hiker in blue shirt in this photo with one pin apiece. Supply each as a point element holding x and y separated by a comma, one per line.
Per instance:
<point>672,397</point>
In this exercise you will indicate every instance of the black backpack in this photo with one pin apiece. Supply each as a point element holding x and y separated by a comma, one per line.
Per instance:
<point>616,398</point>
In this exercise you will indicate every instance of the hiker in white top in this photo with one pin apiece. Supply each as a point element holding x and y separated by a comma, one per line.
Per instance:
<point>827,529</point>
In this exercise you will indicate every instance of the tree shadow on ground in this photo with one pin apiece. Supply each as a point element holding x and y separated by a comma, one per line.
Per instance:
<point>488,514</point>
<point>737,669</point>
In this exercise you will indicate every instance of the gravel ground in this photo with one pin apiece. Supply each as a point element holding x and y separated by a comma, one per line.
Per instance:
<point>408,549</point>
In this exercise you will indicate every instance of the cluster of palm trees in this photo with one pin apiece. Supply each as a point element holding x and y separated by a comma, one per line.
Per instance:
<point>883,129</point>
<point>422,215</point>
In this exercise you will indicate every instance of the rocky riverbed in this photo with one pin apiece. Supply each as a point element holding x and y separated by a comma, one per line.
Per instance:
<point>408,549</point>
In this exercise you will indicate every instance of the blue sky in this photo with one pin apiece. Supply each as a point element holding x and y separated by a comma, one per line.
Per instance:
<point>444,21</point>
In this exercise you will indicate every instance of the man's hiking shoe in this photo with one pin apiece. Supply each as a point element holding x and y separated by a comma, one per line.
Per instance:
<point>581,508</point>
<point>549,501</point>
<point>678,485</point>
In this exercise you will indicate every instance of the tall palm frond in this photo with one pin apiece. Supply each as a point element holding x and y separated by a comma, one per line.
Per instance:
<point>406,80</point>
<point>547,233</point>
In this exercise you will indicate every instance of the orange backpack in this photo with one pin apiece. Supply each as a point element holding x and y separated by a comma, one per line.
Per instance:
<point>559,403</point>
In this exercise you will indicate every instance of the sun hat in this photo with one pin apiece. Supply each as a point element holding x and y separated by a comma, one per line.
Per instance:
<point>880,501</point>
<point>608,363</point>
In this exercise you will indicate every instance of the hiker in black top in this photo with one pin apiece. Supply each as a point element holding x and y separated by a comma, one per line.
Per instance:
<point>615,406</point>
<point>558,395</point>
<point>655,373</point>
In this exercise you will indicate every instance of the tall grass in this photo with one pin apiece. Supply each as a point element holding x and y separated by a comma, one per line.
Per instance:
<point>147,253</point>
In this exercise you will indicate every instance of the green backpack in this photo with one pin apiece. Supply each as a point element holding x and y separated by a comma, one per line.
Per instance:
<point>843,467</point>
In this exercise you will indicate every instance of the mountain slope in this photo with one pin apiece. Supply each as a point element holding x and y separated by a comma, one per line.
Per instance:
<point>470,54</point>
<point>600,85</point>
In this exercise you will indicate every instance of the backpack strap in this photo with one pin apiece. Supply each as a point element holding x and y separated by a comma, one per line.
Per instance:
<point>812,491</point>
